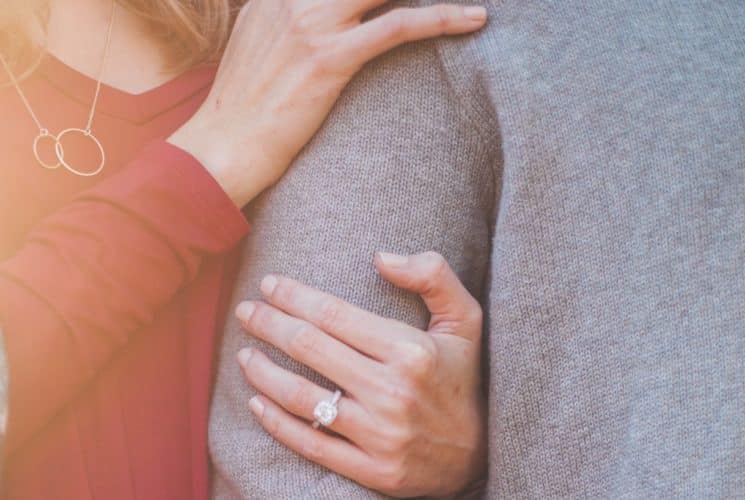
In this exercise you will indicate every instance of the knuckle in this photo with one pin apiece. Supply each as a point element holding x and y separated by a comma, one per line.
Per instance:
<point>260,320</point>
<point>395,26</point>
<point>394,476</point>
<point>435,267</point>
<point>285,292</point>
<point>419,360</point>
<point>319,54</point>
<point>271,424</point>
<point>402,401</point>
<point>250,371</point>
<point>326,74</point>
<point>304,343</point>
<point>329,314</point>
<point>304,17</point>
<point>313,449</point>
<point>442,15</point>
<point>298,397</point>
<point>408,404</point>
<point>435,263</point>
<point>396,440</point>
<point>316,65</point>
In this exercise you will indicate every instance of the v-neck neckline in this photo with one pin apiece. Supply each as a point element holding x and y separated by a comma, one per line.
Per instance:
<point>134,108</point>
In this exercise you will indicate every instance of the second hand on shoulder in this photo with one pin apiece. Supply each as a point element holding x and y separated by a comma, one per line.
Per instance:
<point>285,66</point>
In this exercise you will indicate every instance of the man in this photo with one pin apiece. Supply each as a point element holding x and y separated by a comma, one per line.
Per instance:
<point>592,155</point>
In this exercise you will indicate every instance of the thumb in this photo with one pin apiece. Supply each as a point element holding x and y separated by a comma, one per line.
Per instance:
<point>428,274</point>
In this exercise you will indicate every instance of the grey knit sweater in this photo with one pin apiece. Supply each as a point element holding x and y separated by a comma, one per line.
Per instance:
<point>582,165</point>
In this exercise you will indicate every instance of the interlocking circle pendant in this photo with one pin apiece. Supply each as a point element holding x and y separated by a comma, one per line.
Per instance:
<point>59,149</point>
<point>44,135</point>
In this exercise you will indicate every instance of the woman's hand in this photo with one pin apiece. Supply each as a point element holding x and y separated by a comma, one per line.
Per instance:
<point>285,66</point>
<point>411,421</point>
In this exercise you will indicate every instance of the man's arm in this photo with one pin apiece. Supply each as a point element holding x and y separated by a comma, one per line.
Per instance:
<point>401,166</point>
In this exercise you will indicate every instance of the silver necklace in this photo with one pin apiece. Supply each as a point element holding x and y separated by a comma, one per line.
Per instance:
<point>87,132</point>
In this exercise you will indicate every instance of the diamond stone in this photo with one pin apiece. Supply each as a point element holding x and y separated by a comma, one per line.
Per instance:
<point>325,412</point>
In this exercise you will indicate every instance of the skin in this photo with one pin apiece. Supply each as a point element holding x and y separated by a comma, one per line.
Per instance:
<point>136,60</point>
<point>410,395</point>
<point>285,66</point>
<point>411,422</point>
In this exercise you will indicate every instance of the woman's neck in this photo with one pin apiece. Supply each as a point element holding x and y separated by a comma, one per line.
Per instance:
<point>76,35</point>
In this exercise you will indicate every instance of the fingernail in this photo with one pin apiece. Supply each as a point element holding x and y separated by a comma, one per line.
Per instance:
<point>475,13</point>
<point>268,285</point>
<point>393,260</point>
<point>245,310</point>
<point>256,406</point>
<point>244,355</point>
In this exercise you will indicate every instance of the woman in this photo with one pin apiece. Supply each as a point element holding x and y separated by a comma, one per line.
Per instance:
<point>116,245</point>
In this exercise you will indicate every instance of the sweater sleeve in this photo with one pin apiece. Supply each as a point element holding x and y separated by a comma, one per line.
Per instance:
<point>98,270</point>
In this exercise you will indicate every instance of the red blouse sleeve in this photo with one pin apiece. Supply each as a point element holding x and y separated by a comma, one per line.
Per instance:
<point>98,270</point>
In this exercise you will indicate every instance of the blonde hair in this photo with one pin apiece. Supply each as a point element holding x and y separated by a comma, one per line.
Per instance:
<point>193,31</point>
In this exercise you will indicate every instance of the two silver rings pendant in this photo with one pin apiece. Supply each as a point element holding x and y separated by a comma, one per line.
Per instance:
<point>59,150</point>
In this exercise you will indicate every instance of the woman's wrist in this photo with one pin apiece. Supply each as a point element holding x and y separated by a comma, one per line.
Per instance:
<point>237,175</point>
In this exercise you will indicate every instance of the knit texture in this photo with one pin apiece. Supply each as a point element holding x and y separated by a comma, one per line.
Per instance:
<point>585,160</point>
<point>399,168</point>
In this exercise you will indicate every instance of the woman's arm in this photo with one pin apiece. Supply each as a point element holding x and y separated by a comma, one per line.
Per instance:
<point>285,67</point>
<point>412,419</point>
<point>98,270</point>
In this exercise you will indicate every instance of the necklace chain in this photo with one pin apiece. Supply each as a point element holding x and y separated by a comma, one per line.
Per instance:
<point>21,94</point>
<point>102,68</point>
<point>87,131</point>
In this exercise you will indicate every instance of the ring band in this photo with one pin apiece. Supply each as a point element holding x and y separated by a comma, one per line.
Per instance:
<point>326,412</point>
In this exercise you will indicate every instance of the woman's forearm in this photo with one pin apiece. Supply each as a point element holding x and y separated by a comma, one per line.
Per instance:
<point>100,269</point>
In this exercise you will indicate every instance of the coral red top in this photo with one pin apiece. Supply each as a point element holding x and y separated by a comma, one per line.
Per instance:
<point>111,291</point>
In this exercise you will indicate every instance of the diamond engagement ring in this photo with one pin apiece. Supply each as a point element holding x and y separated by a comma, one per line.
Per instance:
<point>326,412</point>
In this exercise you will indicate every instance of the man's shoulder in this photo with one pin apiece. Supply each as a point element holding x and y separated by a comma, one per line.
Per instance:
<point>446,72</point>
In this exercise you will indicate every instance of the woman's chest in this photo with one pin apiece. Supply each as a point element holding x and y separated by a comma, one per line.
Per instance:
<point>39,173</point>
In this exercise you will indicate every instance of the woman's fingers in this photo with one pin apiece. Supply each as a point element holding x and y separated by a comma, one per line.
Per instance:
<point>309,345</point>
<point>393,417</point>
<point>286,65</point>
<point>367,332</point>
<point>399,26</point>
<point>331,452</point>
<point>429,275</point>
<point>356,9</point>
<point>300,396</point>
